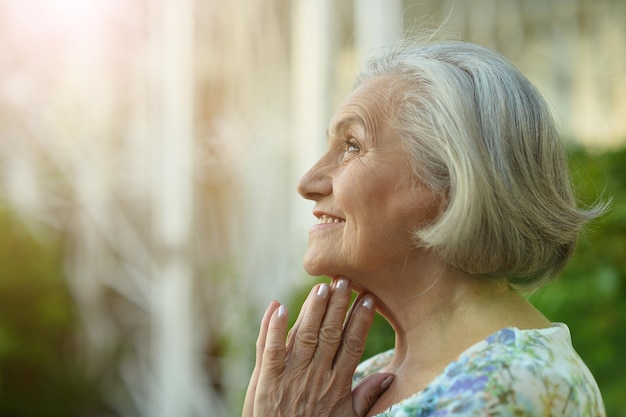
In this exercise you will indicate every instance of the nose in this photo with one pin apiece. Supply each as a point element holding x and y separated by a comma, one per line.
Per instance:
<point>316,183</point>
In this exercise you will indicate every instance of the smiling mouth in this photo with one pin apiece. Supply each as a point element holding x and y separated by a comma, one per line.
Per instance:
<point>324,219</point>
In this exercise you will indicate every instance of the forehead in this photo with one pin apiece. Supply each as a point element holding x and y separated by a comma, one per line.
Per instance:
<point>367,106</point>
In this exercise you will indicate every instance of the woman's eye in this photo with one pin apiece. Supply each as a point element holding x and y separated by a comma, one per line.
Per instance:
<point>351,150</point>
<point>352,147</point>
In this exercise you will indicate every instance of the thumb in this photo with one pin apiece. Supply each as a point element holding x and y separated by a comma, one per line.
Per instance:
<point>365,395</point>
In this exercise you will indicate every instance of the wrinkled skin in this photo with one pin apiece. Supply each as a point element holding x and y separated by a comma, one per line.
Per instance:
<point>311,373</point>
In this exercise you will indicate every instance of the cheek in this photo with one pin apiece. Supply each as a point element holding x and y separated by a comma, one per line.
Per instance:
<point>381,206</point>
<point>357,190</point>
<point>413,208</point>
<point>422,215</point>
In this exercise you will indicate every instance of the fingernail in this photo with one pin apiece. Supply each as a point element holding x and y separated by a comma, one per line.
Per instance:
<point>322,291</point>
<point>386,382</point>
<point>282,311</point>
<point>342,284</point>
<point>368,302</point>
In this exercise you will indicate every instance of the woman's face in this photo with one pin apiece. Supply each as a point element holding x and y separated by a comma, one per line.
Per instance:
<point>367,201</point>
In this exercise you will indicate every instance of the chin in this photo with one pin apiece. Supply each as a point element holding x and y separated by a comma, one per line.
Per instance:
<point>316,265</point>
<point>315,268</point>
<point>310,266</point>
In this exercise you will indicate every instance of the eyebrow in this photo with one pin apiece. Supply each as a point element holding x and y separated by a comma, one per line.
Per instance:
<point>341,124</point>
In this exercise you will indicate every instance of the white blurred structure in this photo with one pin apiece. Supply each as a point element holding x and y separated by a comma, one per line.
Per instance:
<point>176,366</point>
<point>165,139</point>
<point>377,24</point>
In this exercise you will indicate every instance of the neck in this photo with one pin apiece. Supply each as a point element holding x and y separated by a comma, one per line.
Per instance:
<point>441,312</point>
<point>437,312</point>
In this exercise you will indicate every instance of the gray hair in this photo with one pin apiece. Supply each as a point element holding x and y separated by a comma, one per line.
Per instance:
<point>479,134</point>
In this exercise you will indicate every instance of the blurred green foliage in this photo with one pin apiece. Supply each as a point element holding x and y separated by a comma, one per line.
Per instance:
<point>590,295</point>
<point>40,374</point>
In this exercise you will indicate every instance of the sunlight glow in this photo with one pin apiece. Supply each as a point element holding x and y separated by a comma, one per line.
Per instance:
<point>67,26</point>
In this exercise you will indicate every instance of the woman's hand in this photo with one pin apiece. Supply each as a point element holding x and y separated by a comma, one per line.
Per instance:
<point>311,374</point>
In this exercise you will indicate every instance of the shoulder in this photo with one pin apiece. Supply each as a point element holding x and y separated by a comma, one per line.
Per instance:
<point>534,372</point>
<point>513,372</point>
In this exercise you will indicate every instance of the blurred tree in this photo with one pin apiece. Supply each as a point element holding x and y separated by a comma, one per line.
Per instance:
<point>39,372</point>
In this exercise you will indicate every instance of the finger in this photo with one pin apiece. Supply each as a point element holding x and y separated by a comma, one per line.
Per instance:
<point>265,322</point>
<point>305,339</point>
<point>365,395</point>
<point>354,336</point>
<point>260,346</point>
<point>291,336</point>
<point>331,330</point>
<point>273,357</point>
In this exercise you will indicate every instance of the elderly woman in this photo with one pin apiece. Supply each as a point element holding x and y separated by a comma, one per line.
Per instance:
<point>443,199</point>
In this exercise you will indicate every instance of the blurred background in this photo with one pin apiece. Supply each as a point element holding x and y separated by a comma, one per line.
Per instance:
<point>149,154</point>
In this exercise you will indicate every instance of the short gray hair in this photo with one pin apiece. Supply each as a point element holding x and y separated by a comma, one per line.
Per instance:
<point>479,134</point>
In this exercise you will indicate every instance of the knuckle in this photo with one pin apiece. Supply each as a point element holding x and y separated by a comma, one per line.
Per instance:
<point>306,338</point>
<point>330,334</point>
<point>353,344</point>
<point>273,353</point>
<point>273,359</point>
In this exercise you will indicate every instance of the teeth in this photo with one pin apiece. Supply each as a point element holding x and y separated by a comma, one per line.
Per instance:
<point>328,219</point>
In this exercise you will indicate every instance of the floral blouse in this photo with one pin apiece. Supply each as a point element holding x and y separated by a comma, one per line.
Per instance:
<point>511,373</point>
